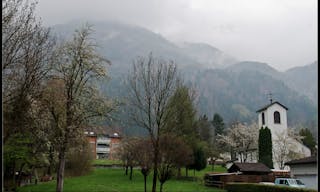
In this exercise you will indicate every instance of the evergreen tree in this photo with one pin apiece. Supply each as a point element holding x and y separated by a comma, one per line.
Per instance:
<point>181,121</point>
<point>218,124</point>
<point>308,140</point>
<point>200,161</point>
<point>205,130</point>
<point>265,147</point>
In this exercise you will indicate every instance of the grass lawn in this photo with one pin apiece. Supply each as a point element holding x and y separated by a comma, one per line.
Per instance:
<point>106,162</point>
<point>114,180</point>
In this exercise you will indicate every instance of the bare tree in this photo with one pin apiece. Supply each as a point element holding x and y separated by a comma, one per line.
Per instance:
<point>174,153</point>
<point>242,139</point>
<point>151,84</point>
<point>128,153</point>
<point>77,67</point>
<point>284,147</point>
<point>144,157</point>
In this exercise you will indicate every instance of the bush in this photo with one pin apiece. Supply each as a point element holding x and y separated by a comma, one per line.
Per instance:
<point>78,161</point>
<point>253,187</point>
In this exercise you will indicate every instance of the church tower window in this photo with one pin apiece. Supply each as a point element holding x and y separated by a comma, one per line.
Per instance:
<point>263,121</point>
<point>276,116</point>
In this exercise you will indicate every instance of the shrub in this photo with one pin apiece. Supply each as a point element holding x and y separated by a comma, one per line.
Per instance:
<point>253,187</point>
<point>78,161</point>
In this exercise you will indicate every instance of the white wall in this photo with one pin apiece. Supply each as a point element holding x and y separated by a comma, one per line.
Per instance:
<point>303,169</point>
<point>276,128</point>
<point>307,173</point>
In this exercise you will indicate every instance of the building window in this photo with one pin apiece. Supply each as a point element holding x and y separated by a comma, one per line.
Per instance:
<point>276,116</point>
<point>263,121</point>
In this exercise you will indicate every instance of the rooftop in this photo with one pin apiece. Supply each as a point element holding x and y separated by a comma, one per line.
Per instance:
<point>104,131</point>
<point>306,160</point>
<point>275,102</point>
<point>249,167</point>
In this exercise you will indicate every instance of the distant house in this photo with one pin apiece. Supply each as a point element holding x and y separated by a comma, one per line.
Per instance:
<point>104,141</point>
<point>107,145</point>
<point>250,168</point>
<point>305,169</point>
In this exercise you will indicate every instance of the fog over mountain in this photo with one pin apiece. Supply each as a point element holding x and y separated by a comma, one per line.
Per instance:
<point>225,85</point>
<point>282,33</point>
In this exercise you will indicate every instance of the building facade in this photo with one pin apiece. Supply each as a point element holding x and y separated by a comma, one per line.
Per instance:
<point>104,144</point>
<point>306,170</point>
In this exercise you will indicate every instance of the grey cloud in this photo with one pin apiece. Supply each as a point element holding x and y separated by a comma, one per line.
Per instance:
<point>282,33</point>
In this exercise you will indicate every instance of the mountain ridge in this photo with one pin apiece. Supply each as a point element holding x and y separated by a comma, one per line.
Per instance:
<point>227,86</point>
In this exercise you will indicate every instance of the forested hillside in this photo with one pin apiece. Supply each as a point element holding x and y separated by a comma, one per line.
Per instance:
<point>234,89</point>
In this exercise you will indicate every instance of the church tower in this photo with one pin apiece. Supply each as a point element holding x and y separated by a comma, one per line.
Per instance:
<point>273,116</point>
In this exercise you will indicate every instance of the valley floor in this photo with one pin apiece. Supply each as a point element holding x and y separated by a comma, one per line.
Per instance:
<point>114,180</point>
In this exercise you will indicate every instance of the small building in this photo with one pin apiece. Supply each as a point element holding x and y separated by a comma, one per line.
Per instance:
<point>250,168</point>
<point>305,169</point>
<point>240,172</point>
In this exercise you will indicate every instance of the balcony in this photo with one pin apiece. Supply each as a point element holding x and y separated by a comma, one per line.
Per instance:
<point>103,140</point>
<point>103,149</point>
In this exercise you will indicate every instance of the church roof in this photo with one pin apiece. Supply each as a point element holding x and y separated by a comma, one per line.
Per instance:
<point>267,106</point>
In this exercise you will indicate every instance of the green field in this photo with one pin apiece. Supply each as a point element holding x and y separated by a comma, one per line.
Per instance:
<point>106,162</point>
<point>114,180</point>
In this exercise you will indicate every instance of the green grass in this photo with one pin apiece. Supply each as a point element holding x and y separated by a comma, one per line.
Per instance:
<point>114,180</point>
<point>216,169</point>
<point>106,162</point>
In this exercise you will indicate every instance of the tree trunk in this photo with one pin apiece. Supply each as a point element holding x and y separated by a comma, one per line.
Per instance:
<point>131,172</point>
<point>155,169</point>
<point>14,175</point>
<point>154,180</point>
<point>35,175</point>
<point>126,170</point>
<point>145,182</point>
<point>19,176</point>
<point>186,171</point>
<point>179,172</point>
<point>60,173</point>
<point>161,185</point>
<point>212,168</point>
<point>50,161</point>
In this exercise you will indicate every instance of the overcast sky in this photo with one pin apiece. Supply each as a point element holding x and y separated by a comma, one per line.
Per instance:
<point>282,33</point>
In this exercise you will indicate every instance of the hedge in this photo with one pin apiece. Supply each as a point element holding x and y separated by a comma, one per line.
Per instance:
<point>254,187</point>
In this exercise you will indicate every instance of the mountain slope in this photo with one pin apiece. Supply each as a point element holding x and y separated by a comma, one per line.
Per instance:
<point>237,96</point>
<point>231,88</point>
<point>122,43</point>
<point>208,56</point>
<point>304,80</point>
